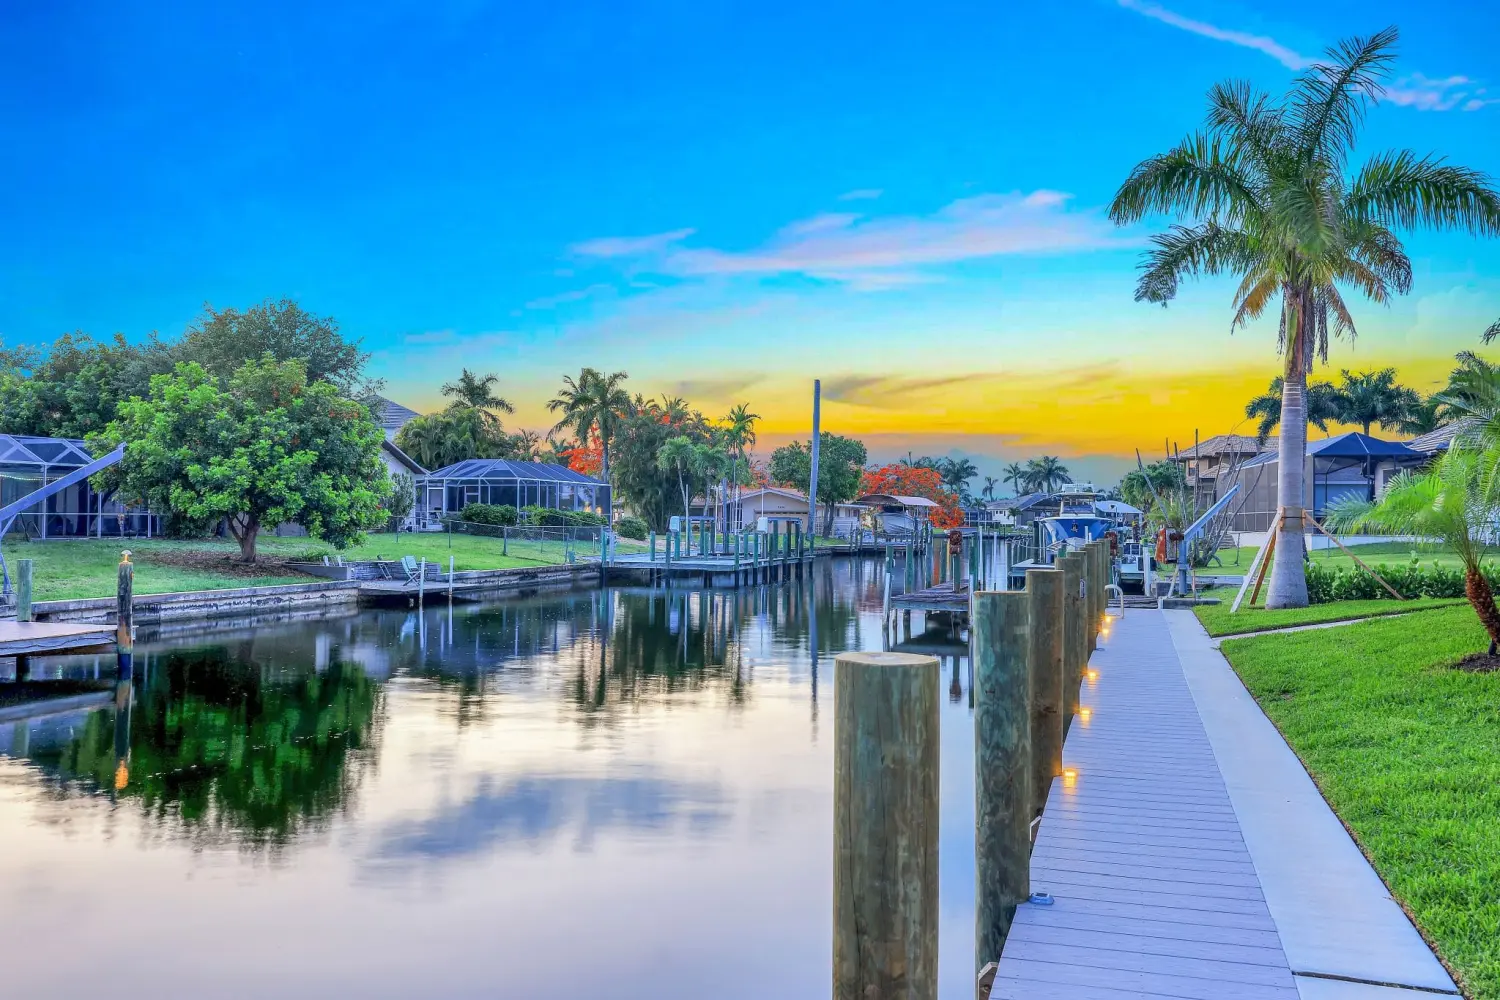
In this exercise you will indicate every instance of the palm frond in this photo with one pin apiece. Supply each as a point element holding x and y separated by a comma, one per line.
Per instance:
<point>1372,244</point>
<point>1492,332</point>
<point>1246,118</point>
<point>1252,297</point>
<point>1203,176</point>
<point>1402,189</point>
<point>1332,97</point>
<point>1187,251</point>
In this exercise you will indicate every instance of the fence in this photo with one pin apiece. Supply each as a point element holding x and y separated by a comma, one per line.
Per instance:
<point>538,543</point>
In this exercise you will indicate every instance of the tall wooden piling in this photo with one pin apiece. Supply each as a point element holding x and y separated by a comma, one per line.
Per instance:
<point>1003,777</point>
<point>1075,628</point>
<point>23,590</point>
<point>1091,595</point>
<point>1046,619</point>
<point>885,827</point>
<point>125,618</point>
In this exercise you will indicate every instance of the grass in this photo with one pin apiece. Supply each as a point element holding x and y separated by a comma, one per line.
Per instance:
<point>1218,621</point>
<point>72,569</point>
<point>1407,752</point>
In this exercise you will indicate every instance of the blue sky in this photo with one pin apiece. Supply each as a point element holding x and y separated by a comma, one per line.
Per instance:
<point>724,199</point>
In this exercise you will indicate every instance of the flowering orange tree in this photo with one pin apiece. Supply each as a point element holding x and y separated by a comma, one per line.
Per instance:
<point>585,459</point>
<point>912,481</point>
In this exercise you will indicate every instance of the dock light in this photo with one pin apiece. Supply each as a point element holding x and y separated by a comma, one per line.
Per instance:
<point>1093,676</point>
<point>1070,776</point>
<point>1085,714</point>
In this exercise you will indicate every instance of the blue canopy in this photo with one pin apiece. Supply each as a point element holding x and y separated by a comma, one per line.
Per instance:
<point>1357,445</point>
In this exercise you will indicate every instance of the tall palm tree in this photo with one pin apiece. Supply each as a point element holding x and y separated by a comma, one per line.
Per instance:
<point>594,403</point>
<point>990,485</point>
<point>1017,475</point>
<point>528,445</point>
<point>1425,416</point>
<point>1320,405</point>
<point>678,455</point>
<point>479,392</point>
<point>1047,473</point>
<point>957,472</point>
<point>1371,398</point>
<point>1266,186</point>
<point>1492,332</point>
<point>739,434</point>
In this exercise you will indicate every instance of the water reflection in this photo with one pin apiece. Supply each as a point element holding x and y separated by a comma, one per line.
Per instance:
<point>510,778</point>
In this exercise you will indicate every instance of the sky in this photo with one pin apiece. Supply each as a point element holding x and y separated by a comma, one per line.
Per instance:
<point>724,200</point>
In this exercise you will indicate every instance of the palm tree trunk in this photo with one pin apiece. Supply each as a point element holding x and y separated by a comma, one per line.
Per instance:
<point>1288,579</point>
<point>609,508</point>
<point>1477,590</point>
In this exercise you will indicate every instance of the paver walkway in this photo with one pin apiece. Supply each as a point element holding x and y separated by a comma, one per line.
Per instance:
<point>1156,891</point>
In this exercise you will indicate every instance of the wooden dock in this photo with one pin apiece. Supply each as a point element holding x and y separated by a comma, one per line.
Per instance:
<point>51,638</point>
<point>941,597</point>
<point>1167,875</point>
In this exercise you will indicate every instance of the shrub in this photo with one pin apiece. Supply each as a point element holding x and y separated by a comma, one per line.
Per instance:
<point>561,518</point>
<point>502,515</point>
<point>1319,584</point>
<point>632,527</point>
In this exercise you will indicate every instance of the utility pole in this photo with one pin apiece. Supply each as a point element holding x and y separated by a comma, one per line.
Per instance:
<point>812,482</point>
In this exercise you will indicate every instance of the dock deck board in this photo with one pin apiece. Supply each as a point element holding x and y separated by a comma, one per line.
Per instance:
<point>1155,892</point>
<point>39,638</point>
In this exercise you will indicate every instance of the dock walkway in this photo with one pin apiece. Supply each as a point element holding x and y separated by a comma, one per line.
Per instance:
<point>1192,857</point>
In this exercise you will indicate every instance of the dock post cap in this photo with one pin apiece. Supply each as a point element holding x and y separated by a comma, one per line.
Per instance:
<point>885,660</point>
<point>124,556</point>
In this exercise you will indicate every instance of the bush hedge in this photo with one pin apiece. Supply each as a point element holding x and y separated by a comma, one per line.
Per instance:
<point>503,515</point>
<point>562,518</point>
<point>632,527</point>
<point>1350,583</point>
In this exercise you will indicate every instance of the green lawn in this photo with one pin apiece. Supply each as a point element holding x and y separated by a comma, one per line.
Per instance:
<point>67,569</point>
<point>1390,553</point>
<point>1407,751</point>
<point>1217,619</point>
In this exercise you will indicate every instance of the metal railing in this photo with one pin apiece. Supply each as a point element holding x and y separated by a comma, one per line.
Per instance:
<point>538,543</point>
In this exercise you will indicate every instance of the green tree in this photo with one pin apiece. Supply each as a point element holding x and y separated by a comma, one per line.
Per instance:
<point>222,341</point>
<point>677,456</point>
<point>71,388</point>
<point>1266,186</point>
<point>841,462</point>
<point>268,448</point>
<point>478,393</point>
<point>956,473</point>
<point>1166,476</point>
<point>991,484</point>
<point>594,403</point>
<point>1371,398</point>
<point>1045,474</point>
<point>403,498</point>
<point>739,434</point>
<point>1015,473</point>
<point>1320,404</point>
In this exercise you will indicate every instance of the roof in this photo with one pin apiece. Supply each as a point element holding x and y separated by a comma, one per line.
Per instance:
<point>403,458</point>
<point>893,498</point>
<point>781,491</point>
<point>1357,445</point>
<point>1222,444</point>
<point>1021,502</point>
<point>392,415</point>
<point>1440,439</point>
<point>505,468</point>
<point>24,449</point>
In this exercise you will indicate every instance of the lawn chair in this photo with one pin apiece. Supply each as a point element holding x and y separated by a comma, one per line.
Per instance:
<point>409,567</point>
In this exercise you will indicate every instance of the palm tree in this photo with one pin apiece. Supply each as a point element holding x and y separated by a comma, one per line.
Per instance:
<point>528,445</point>
<point>1265,185</point>
<point>1374,398</point>
<point>1423,417</point>
<point>1047,472</point>
<point>1492,332</point>
<point>957,472</point>
<point>1449,501</point>
<point>479,392</point>
<point>594,403</point>
<point>991,484</point>
<point>1320,404</point>
<point>1017,475</point>
<point>678,455</point>
<point>739,433</point>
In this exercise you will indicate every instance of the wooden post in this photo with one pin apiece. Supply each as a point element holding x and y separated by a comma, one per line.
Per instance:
<point>23,590</point>
<point>1090,556</point>
<point>1047,617</point>
<point>1003,775</point>
<point>125,618</point>
<point>651,535</point>
<point>421,581</point>
<point>450,578</point>
<point>885,827</point>
<point>1075,641</point>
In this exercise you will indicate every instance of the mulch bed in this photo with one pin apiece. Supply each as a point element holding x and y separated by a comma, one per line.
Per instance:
<point>1478,663</point>
<point>220,562</point>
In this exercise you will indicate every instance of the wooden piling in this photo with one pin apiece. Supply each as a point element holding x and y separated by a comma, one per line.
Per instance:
<point>885,829</point>
<point>1075,640</point>
<point>23,590</point>
<point>1003,776</point>
<point>125,618</point>
<point>1045,587</point>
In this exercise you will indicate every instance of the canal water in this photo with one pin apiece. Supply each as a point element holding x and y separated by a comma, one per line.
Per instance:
<point>615,793</point>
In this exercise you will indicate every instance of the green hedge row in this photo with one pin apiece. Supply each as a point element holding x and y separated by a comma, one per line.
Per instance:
<point>1350,583</point>
<point>632,527</point>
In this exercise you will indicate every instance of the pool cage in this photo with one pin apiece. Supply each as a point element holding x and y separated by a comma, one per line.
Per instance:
<point>29,463</point>
<point>501,481</point>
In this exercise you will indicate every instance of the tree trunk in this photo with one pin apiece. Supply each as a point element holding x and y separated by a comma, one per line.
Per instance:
<point>609,507</point>
<point>245,532</point>
<point>1477,590</point>
<point>1288,587</point>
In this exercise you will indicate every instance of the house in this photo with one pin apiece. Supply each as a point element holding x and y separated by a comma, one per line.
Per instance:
<point>1207,462</point>
<point>1019,511</point>
<point>398,462</point>
<point>1435,442</point>
<point>1345,465</point>
<point>506,482</point>
<point>28,463</point>
<point>391,416</point>
<point>783,502</point>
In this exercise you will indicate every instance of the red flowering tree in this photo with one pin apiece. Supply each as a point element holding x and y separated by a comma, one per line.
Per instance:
<point>912,481</point>
<point>585,459</point>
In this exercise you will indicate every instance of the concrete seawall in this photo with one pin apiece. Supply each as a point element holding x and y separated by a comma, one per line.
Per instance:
<point>296,598</point>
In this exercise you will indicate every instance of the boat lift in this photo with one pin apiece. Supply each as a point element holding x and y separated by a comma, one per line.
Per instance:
<point>11,511</point>
<point>1183,583</point>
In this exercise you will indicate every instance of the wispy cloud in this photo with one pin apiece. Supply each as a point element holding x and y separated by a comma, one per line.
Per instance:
<point>885,390</point>
<point>714,390</point>
<point>630,246</point>
<point>862,194</point>
<point>883,252</point>
<point>1415,91</point>
<point>563,298</point>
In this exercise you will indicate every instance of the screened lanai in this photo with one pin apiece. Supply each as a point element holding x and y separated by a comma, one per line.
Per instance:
<point>512,483</point>
<point>29,463</point>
